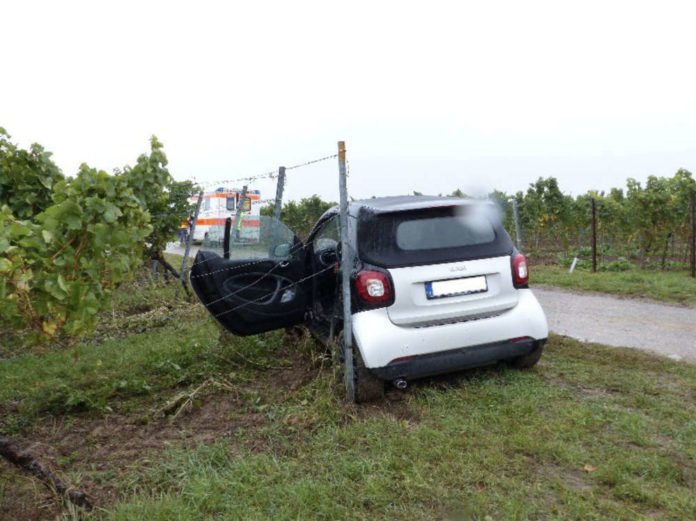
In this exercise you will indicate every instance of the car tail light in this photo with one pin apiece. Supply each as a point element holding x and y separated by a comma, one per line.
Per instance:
<point>374,287</point>
<point>520,271</point>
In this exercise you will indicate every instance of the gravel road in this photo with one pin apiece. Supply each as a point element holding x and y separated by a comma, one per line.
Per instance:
<point>665,329</point>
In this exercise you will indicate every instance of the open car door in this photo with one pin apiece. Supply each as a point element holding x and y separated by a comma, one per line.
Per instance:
<point>255,285</point>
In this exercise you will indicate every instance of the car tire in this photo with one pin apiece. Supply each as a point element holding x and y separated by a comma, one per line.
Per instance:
<point>528,360</point>
<point>367,387</point>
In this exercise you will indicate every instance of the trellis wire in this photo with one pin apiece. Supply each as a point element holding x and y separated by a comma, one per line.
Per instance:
<point>266,175</point>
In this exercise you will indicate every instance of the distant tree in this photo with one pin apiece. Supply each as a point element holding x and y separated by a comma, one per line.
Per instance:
<point>301,216</point>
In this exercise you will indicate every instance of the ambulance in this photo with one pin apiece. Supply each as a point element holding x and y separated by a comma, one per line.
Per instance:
<point>222,203</point>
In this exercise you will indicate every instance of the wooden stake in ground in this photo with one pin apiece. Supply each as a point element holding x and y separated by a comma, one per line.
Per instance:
<point>24,460</point>
<point>693,234</point>
<point>518,235</point>
<point>594,236</point>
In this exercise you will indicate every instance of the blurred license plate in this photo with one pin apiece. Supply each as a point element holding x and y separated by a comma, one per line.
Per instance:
<point>454,287</point>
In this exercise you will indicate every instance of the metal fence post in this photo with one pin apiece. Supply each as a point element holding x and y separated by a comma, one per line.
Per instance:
<point>279,194</point>
<point>518,236</point>
<point>184,262</point>
<point>594,236</point>
<point>346,267</point>
<point>238,214</point>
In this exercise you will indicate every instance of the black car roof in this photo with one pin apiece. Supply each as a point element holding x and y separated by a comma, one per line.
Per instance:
<point>398,203</point>
<point>412,202</point>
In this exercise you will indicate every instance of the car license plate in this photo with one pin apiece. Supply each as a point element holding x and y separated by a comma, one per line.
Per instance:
<point>455,287</point>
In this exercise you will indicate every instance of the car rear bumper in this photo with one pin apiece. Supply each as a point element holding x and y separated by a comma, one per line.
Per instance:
<point>456,359</point>
<point>383,344</point>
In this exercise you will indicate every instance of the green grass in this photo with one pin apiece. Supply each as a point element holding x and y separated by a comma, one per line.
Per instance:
<point>591,433</point>
<point>149,342</point>
<point>668,286</point>
<point>496,442</point>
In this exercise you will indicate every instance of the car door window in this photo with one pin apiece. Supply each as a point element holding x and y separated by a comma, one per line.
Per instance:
<point>327,237</point>
<point>324,262</point>
<point>259,237</point>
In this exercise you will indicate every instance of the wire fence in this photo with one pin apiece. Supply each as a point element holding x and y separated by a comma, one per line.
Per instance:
<point>616,243</point>
<point>272,174</point>
<point>279,176</point>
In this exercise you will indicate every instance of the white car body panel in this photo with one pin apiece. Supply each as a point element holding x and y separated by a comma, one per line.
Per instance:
<point>412,307</point>
<point>380,340</point>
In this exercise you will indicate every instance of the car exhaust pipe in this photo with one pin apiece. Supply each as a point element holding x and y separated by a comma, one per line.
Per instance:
<point>400,383</point>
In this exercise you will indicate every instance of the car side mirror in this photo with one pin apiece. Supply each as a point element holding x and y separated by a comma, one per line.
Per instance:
<point>281,250</point>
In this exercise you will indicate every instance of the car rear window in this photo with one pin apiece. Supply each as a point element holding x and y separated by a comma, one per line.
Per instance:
<point>431,236</point>
<point>433,233</point>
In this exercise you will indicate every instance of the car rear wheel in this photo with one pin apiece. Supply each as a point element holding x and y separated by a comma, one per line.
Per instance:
<point>528,360</point>
<point>366,386</point>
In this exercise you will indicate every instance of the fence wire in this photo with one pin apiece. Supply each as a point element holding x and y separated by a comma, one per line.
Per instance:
<point>266,175</point>
<point>311,162</point>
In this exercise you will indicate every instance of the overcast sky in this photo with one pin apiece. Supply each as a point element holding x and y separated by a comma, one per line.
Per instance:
<point>428,96</point>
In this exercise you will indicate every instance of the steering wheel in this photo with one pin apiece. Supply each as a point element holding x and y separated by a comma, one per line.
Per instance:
<point>328,257</point>
<point>234,288</point>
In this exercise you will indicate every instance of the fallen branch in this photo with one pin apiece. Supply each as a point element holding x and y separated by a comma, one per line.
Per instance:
<point>184,400</point>
<point>24,460</point>
<point>160,258</point>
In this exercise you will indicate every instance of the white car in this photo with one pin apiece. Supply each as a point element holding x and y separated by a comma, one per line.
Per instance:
<point>437,286</point>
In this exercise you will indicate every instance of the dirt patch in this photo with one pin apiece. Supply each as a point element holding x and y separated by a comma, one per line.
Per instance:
<point>138,309</point>
<point>98,454</point>
<point>396,404</point>
<point>572,479</point>
<point>23,498</point>
<point>583,391</point>
<point>105,456</point>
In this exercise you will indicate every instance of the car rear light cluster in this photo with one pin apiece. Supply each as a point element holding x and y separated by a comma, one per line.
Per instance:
<point>374,288</point>
<point>520,271</point>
